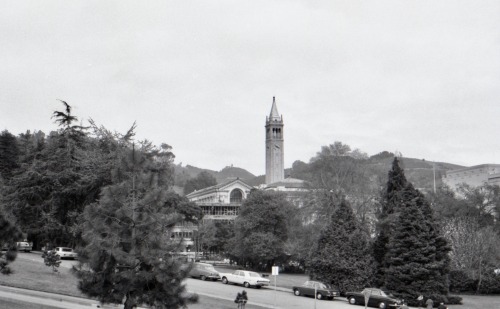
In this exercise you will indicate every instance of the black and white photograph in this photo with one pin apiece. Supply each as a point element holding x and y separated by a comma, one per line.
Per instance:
<point>223,154</point>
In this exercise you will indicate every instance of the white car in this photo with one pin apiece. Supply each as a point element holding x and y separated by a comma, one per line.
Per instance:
<point>65,253</point>
<point>24,246</point>
<point>244,277</point>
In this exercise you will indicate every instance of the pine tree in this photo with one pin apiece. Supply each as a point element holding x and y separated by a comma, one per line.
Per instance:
<point>342,254</point>
<point>417,254</point>
<point>411,256</point>
<point>391,200</point>
<point>129,252</point>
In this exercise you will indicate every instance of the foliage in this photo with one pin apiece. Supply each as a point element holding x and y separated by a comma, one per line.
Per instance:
<point>261,229</point>
<point>341,255</point>
<point>203,180</point>
<point>9,155</point>
<point>417,255</point>
<point>51,259</point>
<point>475,249</point>
<point>9,234</point>
<point>128,252</point>
<point>411,254</point>
<point>391,198</point>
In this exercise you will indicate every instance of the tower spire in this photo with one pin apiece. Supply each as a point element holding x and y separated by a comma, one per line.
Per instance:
<point>274,115</point>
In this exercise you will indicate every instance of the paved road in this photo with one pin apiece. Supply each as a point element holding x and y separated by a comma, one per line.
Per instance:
<point>266,297</point>
<point>45,300</point>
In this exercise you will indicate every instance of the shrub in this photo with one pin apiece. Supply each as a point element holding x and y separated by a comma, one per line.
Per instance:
<point>52,260</point>
<point>461,282</point>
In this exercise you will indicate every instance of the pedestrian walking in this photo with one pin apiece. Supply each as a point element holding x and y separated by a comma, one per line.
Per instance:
<point>241,299</point>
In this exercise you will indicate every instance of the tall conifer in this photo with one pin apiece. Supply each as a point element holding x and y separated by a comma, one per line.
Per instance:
<point>391,199</point>
<point>412,256</point>
<point>129,252</point>
<point>342,254</point>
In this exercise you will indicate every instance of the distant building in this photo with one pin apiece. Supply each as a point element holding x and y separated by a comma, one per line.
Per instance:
<point>474,176</point>
<point>222,201</point>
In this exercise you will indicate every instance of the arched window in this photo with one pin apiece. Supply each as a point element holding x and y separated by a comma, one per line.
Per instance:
<point>236,196</point>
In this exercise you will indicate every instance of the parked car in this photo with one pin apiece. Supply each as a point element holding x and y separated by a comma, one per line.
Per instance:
<point>378,298</point>
<point>244,277</point>
<point>24,246</point>
<point>65,252</point>
<point>204,271</point>
<point>316,289</point>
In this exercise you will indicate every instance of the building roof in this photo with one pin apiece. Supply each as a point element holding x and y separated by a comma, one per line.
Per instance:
<point>218,187</point>
<point>288,183</point>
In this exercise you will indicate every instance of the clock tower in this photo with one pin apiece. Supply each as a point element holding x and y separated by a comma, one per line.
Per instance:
<point>275,153</point>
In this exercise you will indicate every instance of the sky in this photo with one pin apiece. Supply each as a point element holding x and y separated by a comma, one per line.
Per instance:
<point>418,77</point>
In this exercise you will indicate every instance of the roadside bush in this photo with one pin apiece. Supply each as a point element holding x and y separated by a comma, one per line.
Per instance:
<point>460,282</point>
<point>51,260</point>
<point>490,284</point>
<point>454,300</point>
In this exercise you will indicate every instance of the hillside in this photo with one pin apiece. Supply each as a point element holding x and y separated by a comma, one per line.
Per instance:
<point>229,172</point>
<point>418,171</point>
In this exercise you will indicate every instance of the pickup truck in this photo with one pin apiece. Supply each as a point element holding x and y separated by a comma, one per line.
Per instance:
<point>244,277</point>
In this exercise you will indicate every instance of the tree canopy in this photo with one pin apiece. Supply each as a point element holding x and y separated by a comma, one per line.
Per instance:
<point>128,250</point>
<point>261,229</point>
<point>341,256</point>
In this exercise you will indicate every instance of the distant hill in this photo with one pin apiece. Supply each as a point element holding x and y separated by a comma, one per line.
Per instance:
<point>418,171</point>
<point>227,173</point>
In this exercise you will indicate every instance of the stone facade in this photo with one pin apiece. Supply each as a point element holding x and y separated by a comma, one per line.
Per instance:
<point>474,176</point>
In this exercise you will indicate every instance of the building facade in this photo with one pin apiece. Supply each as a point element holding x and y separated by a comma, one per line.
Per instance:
<point>474,176</point>
<point>221,202</point>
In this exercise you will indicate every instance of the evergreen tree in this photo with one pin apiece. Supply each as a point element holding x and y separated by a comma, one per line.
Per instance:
<point>417,256</point>
<point>410,253</point>
<point>391,200</point>
<point>9,155</point>
<point>9,234</point>
<point>129,253</point>
<point>341,255</point>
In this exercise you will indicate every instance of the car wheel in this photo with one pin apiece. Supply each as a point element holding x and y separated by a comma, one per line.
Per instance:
<point>203,278</point>
<point>319,296</point>
<point>296,292</point>
<point>258,287</point>
<point>382,305</point>
<point>352,300</point>
<point>224,280</point>
<point>246,284</point>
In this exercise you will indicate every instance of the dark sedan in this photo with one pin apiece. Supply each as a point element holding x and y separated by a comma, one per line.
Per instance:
<point>377,298</point>
<point>315,288</point>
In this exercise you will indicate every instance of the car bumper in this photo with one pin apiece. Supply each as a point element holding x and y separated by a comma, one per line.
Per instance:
<point>260,283</point>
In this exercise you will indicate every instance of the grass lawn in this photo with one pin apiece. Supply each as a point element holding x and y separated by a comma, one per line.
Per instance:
<point>31,273</point>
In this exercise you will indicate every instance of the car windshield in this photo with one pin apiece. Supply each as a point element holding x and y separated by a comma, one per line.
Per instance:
<point>66,249</point>
<point>252,274</point>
